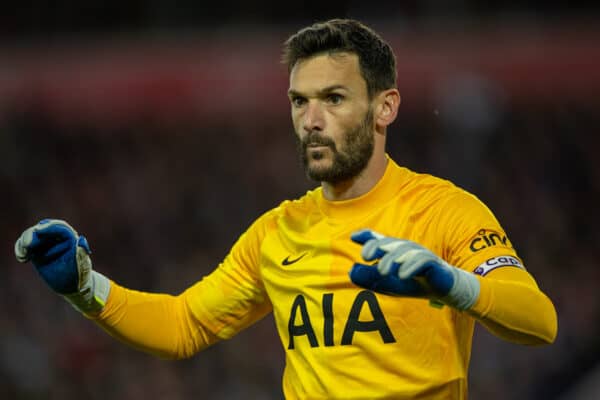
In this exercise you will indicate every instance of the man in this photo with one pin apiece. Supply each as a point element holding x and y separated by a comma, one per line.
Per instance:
<point>375,278</point>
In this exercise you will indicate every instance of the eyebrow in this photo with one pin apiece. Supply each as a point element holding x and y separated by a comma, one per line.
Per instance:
<point>325,90</point>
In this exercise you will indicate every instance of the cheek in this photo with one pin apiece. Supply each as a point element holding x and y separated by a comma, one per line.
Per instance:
<point>342,124</point>
<point>347,116</point>
<point>296,120</point>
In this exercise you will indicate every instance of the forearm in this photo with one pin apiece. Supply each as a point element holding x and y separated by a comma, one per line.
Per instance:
<point>159,324</point>
<point>512,307</point>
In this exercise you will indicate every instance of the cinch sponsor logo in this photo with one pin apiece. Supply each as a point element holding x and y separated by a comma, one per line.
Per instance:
<point>486,239</point>
<point>496,262</point>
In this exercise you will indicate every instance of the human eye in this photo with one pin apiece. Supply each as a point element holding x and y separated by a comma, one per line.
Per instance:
<point>298,101</point>
<point>334,98</point>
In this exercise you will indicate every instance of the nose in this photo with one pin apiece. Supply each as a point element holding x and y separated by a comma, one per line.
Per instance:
<point>314,118</point>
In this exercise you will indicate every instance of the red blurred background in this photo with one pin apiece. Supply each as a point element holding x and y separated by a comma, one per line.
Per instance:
<point>161,131</point>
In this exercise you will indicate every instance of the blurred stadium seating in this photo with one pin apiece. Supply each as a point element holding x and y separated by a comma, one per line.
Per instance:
<point>161,132</point>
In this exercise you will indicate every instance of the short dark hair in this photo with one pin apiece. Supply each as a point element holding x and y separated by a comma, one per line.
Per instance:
<point>375,55</point>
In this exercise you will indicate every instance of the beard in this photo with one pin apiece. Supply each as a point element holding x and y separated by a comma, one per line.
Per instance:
<point>348,161</point>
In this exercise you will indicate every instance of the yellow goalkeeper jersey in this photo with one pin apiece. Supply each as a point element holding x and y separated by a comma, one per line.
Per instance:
<point>341,341</point>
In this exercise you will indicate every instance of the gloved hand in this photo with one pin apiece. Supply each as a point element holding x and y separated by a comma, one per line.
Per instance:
<point>61,257</point>
<point>406,268</point>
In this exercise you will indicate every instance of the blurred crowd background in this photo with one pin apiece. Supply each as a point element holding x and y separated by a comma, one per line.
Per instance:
<point>161,129</point>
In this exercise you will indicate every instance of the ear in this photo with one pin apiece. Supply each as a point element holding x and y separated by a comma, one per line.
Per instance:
<point>388,102</point>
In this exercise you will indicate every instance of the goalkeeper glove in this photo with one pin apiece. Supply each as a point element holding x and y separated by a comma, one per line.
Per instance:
<point>61,257</point>
<point>406,268</point>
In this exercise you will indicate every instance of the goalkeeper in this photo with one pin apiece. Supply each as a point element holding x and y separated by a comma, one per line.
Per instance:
<point>375,278</point>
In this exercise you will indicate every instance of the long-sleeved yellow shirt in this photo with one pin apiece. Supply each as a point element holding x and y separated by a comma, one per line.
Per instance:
<point>341,341</point>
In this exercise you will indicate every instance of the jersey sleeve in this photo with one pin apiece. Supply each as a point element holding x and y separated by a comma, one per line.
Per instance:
<point>473,238</point>
<point>226,301</point>
<point>510,303</point>
<point>233,296</point>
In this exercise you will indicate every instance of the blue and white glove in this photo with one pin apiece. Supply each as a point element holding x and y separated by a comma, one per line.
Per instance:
<point>406,268</point>
<point>61,257</point>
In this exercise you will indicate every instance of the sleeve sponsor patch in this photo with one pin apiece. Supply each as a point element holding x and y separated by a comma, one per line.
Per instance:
<point>497,262</point>
<point>488,238</point>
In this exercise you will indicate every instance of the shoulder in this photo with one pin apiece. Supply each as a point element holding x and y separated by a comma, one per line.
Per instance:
<point>442,199</point>
<point>297,209</point>
<point>303,205</point>
<point>431,191</point>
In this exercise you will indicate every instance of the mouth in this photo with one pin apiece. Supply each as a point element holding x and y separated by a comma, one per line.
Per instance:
<point>316,146</point>
<point>315,143</point>
<point>316,151</point>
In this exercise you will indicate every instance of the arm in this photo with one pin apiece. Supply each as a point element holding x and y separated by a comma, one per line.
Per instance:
<point>159,324</point>
<point>507,301</point>
<point>511,306</point>
<point>510,303</point>
<point>220,305</point>
<point>215,308</point>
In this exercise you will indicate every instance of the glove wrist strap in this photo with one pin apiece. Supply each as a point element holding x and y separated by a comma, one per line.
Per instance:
<point>92,297</point>
<point>464,292</point>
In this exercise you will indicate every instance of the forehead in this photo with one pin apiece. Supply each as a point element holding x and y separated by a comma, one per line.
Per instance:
<point>325,70</point>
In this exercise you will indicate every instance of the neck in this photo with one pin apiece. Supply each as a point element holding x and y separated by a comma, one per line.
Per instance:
<point>358,185</point>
